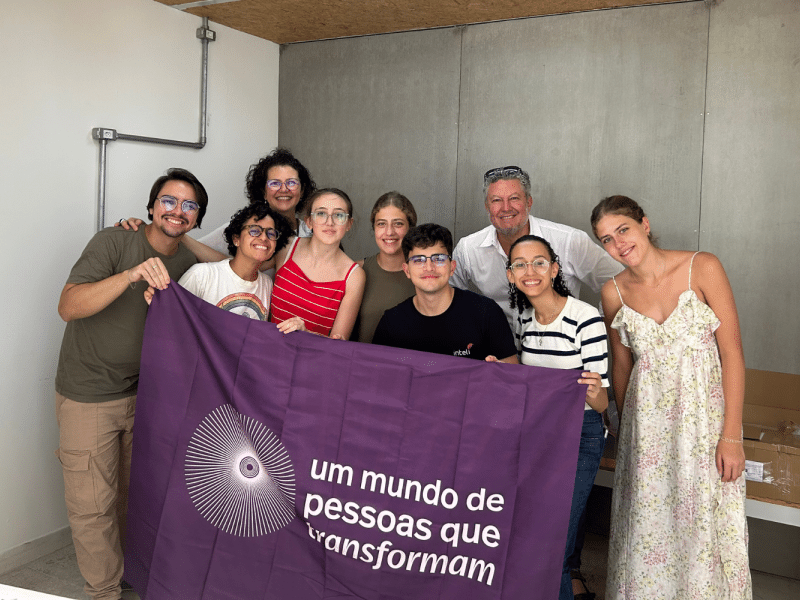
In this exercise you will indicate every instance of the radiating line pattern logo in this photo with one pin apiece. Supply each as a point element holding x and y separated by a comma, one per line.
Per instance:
<point>239,475</point>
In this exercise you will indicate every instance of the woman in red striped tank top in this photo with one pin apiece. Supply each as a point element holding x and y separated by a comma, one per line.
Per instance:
<point>317,285</point>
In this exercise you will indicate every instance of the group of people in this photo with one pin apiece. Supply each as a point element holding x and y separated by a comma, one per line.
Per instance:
<point>678,521</point>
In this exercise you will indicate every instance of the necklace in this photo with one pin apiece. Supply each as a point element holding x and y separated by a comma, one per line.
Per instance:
<point>540,332</point>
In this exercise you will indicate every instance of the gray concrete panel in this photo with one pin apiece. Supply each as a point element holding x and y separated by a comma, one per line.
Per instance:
<point>375,114</point>
<point>590,104</point>
<point>751,172</point>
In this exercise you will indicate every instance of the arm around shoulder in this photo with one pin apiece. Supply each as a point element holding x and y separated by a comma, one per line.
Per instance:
<point>202,252</point>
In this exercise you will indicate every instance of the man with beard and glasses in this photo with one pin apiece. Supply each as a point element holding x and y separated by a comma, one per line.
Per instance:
<point>98,368</point>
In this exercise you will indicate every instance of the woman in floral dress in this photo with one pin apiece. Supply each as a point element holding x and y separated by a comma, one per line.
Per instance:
<point>678,527</point>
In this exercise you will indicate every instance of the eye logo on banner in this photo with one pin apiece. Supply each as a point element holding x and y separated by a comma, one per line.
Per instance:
<point>239,475</point>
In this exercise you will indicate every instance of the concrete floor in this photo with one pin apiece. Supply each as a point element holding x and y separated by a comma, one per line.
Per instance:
<point>58,574</point>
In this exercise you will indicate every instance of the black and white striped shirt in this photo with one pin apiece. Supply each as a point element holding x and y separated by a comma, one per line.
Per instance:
<point>576,339</point>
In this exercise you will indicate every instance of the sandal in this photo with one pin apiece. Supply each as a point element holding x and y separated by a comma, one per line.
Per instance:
<point>575,574</point>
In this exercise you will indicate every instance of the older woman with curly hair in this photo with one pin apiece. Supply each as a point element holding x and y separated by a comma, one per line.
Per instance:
<point>283,182</point>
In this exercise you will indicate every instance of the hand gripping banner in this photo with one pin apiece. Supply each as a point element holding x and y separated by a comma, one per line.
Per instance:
<point>294,467</point>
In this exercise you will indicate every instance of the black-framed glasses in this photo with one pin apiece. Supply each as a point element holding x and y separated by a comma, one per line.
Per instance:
<point>438,260</point>
<point>276,184</point>
<point>539,265</point>
<point>501,172</point>
<point>256,230</point>
<point>320,217</point>
<point>170,202</point>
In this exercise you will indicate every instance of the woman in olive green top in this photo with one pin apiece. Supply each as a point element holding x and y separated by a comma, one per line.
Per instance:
<point>387,284</point>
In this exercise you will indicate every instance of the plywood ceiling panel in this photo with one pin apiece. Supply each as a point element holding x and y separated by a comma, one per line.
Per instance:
<point>288,21</point>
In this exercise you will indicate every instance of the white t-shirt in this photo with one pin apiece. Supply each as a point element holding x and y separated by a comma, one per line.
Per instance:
<point>218,284</point>
<point>481,261</point>
<point>576,339</point>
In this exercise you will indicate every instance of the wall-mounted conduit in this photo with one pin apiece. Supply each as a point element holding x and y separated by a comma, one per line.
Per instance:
<point>104,135</point>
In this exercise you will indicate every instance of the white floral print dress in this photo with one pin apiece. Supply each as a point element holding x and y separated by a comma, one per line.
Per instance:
<point>677,531</point>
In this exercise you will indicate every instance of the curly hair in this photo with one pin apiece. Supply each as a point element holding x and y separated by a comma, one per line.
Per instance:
<point>259,210</point>
<point>619,205</point>
<point>280,157</point>
<point>519,300</point>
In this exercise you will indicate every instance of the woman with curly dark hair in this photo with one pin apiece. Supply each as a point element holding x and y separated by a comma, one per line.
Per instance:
<point>285,184</point>
<point>561,332</point>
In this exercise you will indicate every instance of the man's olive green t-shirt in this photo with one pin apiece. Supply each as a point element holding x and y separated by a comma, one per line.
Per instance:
<point>99,359</point>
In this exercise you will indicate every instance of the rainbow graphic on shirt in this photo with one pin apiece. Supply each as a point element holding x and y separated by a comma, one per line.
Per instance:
<point>245,304</point>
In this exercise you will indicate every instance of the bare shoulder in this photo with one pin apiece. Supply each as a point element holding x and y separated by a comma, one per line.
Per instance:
<point>357,275</point>
<point>705,260</point>
<point>677,259</point>
<point>610,299</point>
<point>708,275</point>
<point>706,268</point>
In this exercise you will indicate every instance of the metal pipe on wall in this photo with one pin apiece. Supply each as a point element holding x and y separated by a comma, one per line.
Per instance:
<point>104,134</point>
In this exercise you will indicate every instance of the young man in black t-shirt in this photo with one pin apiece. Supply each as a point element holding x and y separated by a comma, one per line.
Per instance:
<point>440,318</point>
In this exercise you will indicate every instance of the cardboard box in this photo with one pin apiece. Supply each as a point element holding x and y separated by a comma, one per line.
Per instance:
<point>772,436</point>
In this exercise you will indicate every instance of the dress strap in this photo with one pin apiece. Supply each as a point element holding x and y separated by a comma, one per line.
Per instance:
<point>690,268</point>
<point>350,270</point>
<point>614,279</point>
<point>294,246</point>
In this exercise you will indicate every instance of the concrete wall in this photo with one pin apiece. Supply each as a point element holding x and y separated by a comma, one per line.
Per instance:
<point>374,114</point>
<point>751,172</point>
<point>131,65</point>
<point>691,110</point>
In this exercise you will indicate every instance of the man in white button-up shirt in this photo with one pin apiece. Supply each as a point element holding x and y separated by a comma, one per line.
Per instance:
<point>481,257</point>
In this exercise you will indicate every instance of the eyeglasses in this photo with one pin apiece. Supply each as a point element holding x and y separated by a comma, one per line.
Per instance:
<point>170,202</point>
<point>321,217</point>
<point>501,172</point>
<point>256,230</point>
<point>539,265</point>
<point>276,184</point>
<point>438,260</point>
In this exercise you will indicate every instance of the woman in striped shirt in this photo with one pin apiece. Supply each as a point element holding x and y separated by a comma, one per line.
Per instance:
<point>561,332</point>
<point>317,284</point>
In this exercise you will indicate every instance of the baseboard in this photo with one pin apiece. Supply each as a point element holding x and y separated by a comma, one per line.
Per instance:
<point>35,549</point>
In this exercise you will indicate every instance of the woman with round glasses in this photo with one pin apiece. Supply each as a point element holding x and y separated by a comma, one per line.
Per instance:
<point>561,332</point>
<point>284,183</point>
<point>316,281</point>
<point>678,526</point>
<point>387,285</point>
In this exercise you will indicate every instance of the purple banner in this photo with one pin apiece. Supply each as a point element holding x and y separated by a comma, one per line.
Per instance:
<point>271,466</point>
